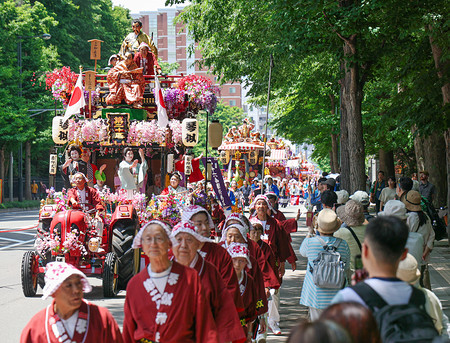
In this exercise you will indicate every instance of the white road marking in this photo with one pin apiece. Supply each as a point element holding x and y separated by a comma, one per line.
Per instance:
<point>16,244</point>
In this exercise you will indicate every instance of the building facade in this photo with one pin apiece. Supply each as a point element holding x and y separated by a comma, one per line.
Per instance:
<point>173,42</point>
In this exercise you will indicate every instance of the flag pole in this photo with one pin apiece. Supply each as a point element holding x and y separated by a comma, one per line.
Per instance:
<point>267,119</point>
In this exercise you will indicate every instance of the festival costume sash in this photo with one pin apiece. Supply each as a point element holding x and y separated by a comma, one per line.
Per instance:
<point>56,331</point>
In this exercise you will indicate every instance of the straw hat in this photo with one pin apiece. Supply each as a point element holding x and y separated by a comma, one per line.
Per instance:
<point>412,201</point>
<point>407,270</point>
<point>328,222</point>
<point>351,213</point>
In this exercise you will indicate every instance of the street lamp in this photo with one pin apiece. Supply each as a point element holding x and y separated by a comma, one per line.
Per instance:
<point>45,36</point>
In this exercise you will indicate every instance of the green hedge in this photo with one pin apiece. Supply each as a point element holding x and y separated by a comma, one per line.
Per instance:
<point>20,204</point>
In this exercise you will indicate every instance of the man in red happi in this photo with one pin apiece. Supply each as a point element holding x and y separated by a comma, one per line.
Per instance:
<point>187,242</point>
<point>165,302</point>
<point>69,318</point>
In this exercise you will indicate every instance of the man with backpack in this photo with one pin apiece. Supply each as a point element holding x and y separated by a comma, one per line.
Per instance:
<point>398,307</point>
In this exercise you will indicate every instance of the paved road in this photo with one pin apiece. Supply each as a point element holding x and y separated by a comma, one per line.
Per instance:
<point>16,237</point>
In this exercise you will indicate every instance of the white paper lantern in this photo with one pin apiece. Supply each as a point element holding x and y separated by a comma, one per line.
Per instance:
<point>189,132</point>
<point>59,131</point>
<point>215,132</point>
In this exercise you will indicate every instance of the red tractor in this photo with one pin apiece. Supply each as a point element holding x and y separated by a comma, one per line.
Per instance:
<point>73,236</point>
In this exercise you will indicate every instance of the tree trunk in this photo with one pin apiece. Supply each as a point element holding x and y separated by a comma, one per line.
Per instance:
<point>352,94</point>
<point>334,161</point>
<point>442,69</point>
<point>2,164</point>
<point>345,160</point>
<point>386,159</point>
<point>418,150</point>
<point>27,170</point>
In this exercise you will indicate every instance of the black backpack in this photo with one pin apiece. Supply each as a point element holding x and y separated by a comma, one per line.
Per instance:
<point>399,323</point>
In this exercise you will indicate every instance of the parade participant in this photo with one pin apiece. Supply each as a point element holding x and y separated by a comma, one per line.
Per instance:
<point>82,196</point>
<point>212,252</point>
<point>134,39</point>
<point>187,241</point>
<point>240,255</point>
<point>91,168</point>
<point>69,318</point>
<point>277,239</point>
<point>155,188</point>
<point>289,225</point>
<point>100,185</point>
<point>270,186</point>
<point>126,82</point>
<point>246,190</point>
<point>174,186</point>
<point>113,59</point>
<point>146,59</point>
<point>314,297</point>
<point>132,173</point>
<point>236,233</point>
<point>230,192</point>
<point>72,165</point>
<point>165,301</point>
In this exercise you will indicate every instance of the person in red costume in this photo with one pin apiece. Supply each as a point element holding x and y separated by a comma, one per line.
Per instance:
<point>187,242</point>
<point>146,59</point>
<point>69,318</point>
<point>214,253</point>
<point>277,238</point>
<point>165,302</point>
<point>196,174</point>
<point>82,196</point>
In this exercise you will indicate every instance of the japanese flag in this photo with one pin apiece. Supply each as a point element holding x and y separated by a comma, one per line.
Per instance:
<point>163,120</point>
<point>76,100</point>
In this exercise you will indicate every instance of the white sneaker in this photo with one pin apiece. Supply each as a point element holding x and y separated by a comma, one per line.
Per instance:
<point>274,327</point>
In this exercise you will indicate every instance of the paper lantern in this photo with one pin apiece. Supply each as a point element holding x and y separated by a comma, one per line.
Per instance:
<point>215,132</point>
<point>189,132</point>
<point>170,163</point>
<point>188,164</point>
<point>59,130</point>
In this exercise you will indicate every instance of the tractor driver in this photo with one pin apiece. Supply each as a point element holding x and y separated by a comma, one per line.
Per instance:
<point>82,196</point>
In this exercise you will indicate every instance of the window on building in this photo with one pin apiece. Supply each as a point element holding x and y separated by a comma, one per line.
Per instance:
<point>232,102</point>
<point>232,90</point>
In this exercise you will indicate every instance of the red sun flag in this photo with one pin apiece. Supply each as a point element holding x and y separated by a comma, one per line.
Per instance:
<point>76,100</point>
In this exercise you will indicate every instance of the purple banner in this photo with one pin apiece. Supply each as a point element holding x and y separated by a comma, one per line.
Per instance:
<point>217,182</point>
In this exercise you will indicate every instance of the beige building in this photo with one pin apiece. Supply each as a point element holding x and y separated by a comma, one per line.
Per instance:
<point>173,42</point>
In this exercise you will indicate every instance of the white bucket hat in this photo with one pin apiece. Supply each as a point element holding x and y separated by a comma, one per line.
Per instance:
<point>240,250</point>
<point>187,227</point>
<point>57,272</point>
<point>137,241</point>
<point>394,208</point>
<point>190,211</point>
<point>243,230</point>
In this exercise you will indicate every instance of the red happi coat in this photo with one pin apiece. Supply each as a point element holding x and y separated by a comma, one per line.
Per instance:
<point>94,324</point>
<point>270,277</point>
<point>222,306</point>
<point>270,258</point>
<point>278,240</point>
<point>180,314</point>
<point>248,293</point>
<point>258,281</point>
<point>219,258</point>
<point>92,198</point>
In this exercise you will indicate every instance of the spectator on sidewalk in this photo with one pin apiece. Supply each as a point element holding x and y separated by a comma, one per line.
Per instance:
<point>43,190</point>
<point>315,195</point>
<point>353,229</point>
<point>419,222</point>
<point>375,190</point>
<point>312,296</point>
<point>270,186</point>
<point>34,190</point>
<point>356,319</point>
<point>407,271</point>
<point>404,185</point>
<point>382,250</point>
<point>415,240</point>
<point>342,198</point>
<point>426,189</point>
<point>246,190</point>
<point>388,193</point>
<point>362,198</point>
<point>328,200</point>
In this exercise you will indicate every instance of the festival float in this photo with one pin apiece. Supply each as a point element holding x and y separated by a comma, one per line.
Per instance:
<point>242,152</point>
<point>102,127</point>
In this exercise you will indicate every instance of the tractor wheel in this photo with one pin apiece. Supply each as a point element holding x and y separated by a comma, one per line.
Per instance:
<point>111,275</point>
<point>29,274</point>
<point>129,258</point>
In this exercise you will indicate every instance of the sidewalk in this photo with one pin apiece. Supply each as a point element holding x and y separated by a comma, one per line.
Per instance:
<point>292,312</point>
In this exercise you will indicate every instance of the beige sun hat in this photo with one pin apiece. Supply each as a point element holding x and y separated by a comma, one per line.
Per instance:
<point>407,270</point>
<point>328,222</point>
<point>412,201</point>
<point>351,213</point>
